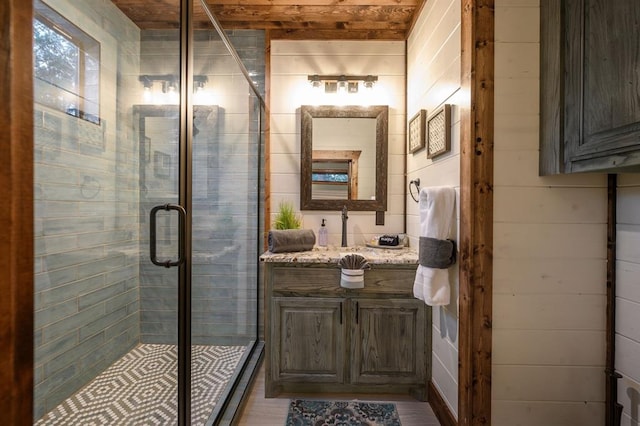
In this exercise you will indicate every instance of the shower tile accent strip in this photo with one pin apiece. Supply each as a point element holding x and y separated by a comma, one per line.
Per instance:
<point>141,388</point>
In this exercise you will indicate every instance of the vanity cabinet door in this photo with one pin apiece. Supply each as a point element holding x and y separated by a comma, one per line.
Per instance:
<point>308,339</point>
<point>388,341</point>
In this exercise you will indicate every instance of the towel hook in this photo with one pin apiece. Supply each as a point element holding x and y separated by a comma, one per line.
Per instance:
<point>415,182</point>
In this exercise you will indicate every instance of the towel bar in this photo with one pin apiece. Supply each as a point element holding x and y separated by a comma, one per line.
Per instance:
<point>415,182</point>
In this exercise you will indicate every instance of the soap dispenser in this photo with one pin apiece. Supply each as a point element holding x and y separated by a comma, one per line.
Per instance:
<point>322,235</point>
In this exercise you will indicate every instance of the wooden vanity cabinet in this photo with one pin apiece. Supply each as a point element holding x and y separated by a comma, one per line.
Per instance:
<point>321,337</point>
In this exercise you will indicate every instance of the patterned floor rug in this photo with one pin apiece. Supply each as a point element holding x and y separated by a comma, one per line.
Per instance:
<point>306,412</point>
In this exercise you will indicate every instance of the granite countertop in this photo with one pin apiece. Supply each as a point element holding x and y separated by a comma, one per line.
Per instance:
<point>332,254</point>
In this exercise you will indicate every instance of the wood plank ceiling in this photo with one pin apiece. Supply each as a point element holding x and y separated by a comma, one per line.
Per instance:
<point>289,19</point>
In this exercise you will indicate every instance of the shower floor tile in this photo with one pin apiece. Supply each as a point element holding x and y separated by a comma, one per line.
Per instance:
<point>141,388</point>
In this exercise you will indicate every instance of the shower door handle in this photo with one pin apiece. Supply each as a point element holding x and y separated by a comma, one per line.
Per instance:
<point>182,215</point>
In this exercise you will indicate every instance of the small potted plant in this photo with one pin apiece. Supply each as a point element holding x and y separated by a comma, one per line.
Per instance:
<point>286,218</point>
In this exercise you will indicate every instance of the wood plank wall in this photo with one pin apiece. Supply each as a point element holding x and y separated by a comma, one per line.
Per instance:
<point>549,253</point>
<point>290,64</point>
<point>433,79</point>
<point>16,216</point>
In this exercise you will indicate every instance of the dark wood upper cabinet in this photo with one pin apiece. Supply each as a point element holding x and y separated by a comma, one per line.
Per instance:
<point>590,86</point>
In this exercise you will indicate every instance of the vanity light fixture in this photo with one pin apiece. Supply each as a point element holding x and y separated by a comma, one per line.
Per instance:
<point>199,81</point>
<point>169,82</point>
<point>315,81</point>
<point>168,86</point>
<point>369,81</point>
<point>147,83</point>
<point>342,83</point>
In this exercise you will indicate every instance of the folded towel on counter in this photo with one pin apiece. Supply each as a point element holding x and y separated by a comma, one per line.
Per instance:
<point>287,240</point>
<point>435,253</point>
<point>437,209</point>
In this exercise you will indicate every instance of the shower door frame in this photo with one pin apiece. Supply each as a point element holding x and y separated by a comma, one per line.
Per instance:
<point>185,192</point>
<point>185,142</point>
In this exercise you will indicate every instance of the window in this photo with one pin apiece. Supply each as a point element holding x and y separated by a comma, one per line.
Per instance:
<point>330,177</point>
<point>66,65</point>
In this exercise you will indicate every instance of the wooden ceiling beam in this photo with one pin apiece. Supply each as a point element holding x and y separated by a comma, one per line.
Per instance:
<point>299,13</point>
<point>336,35</point>
<point>293,19</point>
<point>322,26</point>
<point>331,3</point>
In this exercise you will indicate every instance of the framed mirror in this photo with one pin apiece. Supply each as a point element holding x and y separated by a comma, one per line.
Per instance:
<point>343,157</point>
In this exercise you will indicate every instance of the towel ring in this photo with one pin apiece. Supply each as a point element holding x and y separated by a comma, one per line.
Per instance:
<point>415,182</point>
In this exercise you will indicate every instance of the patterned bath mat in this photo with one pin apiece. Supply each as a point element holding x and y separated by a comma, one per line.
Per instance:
<point>306,412</point>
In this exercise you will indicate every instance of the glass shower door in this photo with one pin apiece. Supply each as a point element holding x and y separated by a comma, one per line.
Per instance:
<point>225,205</point>
<point>147,215</point>
<point>162,250</point>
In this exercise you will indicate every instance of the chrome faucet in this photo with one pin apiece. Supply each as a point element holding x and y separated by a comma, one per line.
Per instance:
<point>344,226</point>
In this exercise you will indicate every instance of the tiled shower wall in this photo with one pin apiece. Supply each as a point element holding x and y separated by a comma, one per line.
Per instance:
<point>225,198</point>
<point>86,264</point>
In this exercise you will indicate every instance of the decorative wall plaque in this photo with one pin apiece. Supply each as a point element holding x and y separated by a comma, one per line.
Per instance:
<point>417,131</point>
<point>439,131</point>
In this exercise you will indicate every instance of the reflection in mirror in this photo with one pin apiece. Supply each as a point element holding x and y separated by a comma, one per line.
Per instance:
<point>158,135</point>
<point>339,139</point>
<point>335,174</point>
<point>343,157</point>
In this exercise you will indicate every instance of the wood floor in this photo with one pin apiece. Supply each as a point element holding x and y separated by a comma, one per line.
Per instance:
<point>262,411</point>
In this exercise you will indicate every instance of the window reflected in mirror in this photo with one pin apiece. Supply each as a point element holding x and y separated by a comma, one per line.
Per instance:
<point>335,174</point>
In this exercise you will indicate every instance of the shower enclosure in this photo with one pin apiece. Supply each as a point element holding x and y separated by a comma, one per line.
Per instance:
<point>148,141</point>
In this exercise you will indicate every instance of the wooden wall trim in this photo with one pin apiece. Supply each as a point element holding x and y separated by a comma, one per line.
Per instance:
<point>267,138</point>
<point>440,408</point>
<point>476,213</point>
<point>612,416</point>
<point>16,215</point>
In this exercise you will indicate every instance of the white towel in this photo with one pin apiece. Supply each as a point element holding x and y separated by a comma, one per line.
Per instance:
<point>436,206</point>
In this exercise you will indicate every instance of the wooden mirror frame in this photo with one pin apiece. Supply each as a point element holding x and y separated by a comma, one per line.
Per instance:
<point>307,114</point>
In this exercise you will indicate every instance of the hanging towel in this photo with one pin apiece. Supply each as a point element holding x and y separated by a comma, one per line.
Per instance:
<point>436,206</point>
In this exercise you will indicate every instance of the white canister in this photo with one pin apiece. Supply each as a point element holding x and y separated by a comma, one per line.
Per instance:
<point>352,278</point>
